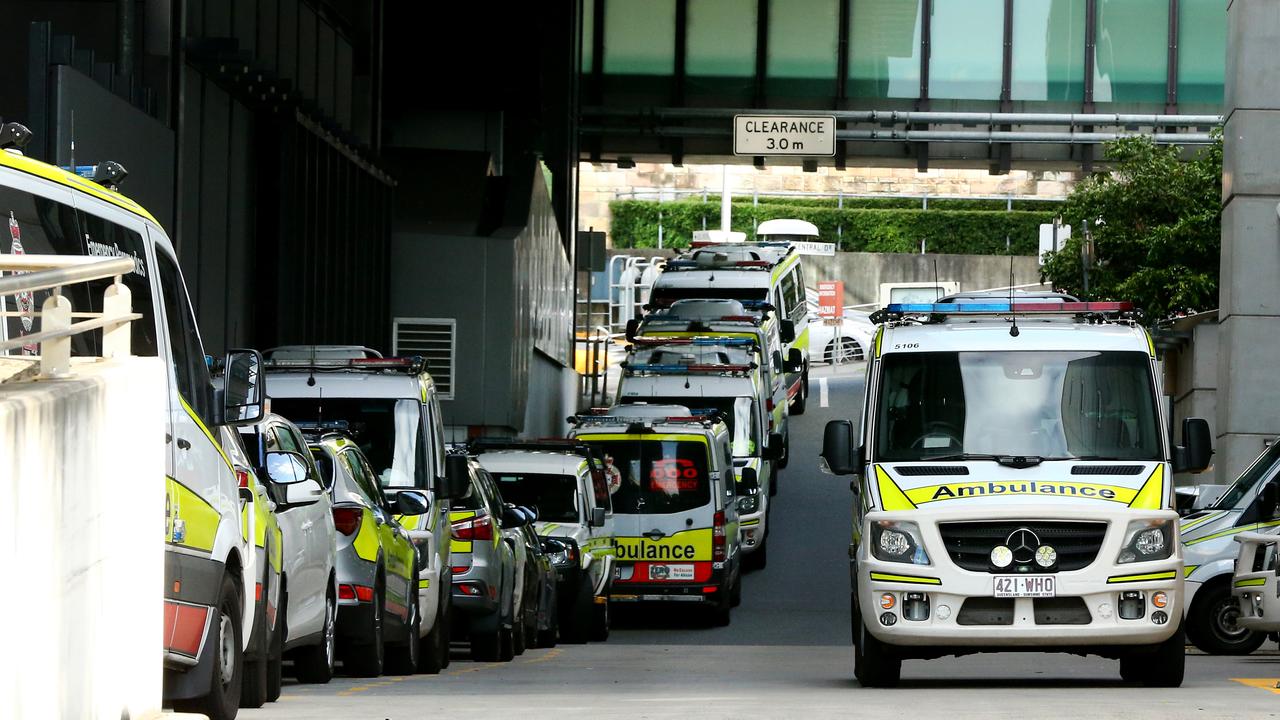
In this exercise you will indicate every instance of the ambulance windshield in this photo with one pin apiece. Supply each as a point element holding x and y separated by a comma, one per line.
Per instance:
<point>738,413</point>
<point>656,476</point>
<point>1049,405</point>
<point>386,429</point>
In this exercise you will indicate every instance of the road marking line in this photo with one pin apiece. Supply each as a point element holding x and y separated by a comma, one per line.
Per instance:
<point>822,392</point>
<point>1269,684</point>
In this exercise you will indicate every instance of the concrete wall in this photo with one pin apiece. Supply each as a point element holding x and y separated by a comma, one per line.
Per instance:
<point>81,472</point>
<point>1191,385</point>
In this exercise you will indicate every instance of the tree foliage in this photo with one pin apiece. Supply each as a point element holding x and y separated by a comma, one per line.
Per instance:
<point>1155,221</point>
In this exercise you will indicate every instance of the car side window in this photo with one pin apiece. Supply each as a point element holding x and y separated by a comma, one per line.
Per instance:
<point>188,361</point>
<point>600,489</point>
<point>364,481</point>
<point>377,487</point>
<point>324,464</point>
<point>494,499</point>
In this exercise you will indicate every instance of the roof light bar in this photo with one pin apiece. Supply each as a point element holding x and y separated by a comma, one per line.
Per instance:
<point>698,341</point>
<point>1004,307</point>
<point>323,426</point>
<point>673,369</point>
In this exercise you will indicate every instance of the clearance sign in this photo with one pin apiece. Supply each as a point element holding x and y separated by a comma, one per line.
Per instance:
<point>810,135</point>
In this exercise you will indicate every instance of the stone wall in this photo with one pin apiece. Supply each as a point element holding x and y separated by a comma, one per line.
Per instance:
<point>600,183</point>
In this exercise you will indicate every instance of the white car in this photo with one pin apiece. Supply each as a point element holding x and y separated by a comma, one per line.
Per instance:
<point>304,511</point>
<point>845,342</point>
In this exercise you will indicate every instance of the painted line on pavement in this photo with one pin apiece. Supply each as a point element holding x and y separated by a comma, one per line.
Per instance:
<point>369,686</point>
<point>822,392</point>
<point>1268,684</point>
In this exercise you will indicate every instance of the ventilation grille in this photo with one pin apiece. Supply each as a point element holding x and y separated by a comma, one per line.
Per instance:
<point>916,470</point>
<point>969,543</point>
<point>1106,469</point>
<point>434,340</point>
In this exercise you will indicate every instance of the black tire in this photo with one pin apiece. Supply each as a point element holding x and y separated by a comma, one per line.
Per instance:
<point>486,638</point>
<point>575,626</point>
<point>1132,669</point>
<point>599,620</point>
<point>1211,623</point>
<point>735,591</point>
<point>874,662</point>
<point>366,660</point>
<point>850,351</point>
<point>314,664</point>
<point>402,659</point>
<point>1166,667</point>
<point>758,559</point>
<point>801,400</point>
<point>253,691</point>
<point>223,700</point>
<point>434,650</point>
<point>275,660</point>
<point>506,645</point>
<point>548,638</point>
<point>519,641</point>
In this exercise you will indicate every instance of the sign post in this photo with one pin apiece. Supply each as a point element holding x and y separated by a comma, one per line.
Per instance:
<point>805,135</point>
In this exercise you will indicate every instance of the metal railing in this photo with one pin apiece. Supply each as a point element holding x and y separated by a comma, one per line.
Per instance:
<point>33,273</point>
<point>594,371</point>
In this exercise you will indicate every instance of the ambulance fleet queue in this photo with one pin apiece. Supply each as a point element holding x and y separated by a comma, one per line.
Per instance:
<point>1013,480</point>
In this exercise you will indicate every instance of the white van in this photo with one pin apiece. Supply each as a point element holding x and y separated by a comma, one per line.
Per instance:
<point>210,567</point>
<point>671,481</point>
<point>1014,489</point>
<point>392,409</point>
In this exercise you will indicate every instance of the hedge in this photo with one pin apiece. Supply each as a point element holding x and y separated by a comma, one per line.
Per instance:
<point>973,232</point>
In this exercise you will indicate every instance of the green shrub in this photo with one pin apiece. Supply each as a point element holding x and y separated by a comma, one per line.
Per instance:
<point>860,227</point>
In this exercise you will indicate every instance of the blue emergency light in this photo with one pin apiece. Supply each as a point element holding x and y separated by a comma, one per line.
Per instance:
<point>1006,307</point>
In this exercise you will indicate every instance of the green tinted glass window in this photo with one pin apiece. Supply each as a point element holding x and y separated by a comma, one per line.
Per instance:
<point>721,39</point>
<point>639,37</point>
<point>1202,50</point>
<point>965,60</point>
<point>1048,50</point>
<point>588,33</point>
<point>1132,49</point>
<point>803,45</point>
<point>884,48</point>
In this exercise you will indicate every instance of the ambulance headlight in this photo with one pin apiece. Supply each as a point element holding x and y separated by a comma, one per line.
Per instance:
<point>898,542</point>
<point>748,504</point>
<point>1147,540</point>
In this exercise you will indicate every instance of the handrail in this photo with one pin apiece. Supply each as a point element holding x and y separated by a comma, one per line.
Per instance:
<point>44,272</point>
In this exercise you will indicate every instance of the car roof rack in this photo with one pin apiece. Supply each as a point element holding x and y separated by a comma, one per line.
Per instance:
<point>320,428</point>
<point>403,365</point>
<point>938,312</point>
<point>568,446</point>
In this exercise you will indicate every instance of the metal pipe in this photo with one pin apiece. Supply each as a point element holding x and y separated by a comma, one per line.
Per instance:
<point>910,116</point>
<point>896,135</point>
<point>57,277</point>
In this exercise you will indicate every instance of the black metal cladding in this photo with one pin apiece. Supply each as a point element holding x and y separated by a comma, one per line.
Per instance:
<point>917,470</point>
<point>1107,469</point>
<point>969,543</point>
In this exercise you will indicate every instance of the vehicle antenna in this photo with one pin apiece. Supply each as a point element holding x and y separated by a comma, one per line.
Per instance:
<point>311,369</point>
<point>937,289</point>
<point>1013,312</point>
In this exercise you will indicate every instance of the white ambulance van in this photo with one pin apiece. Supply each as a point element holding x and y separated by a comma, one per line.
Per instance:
<point>721,375</point>
<point>1014,489</point>
<point>211,568</point>
<point>675,520</point>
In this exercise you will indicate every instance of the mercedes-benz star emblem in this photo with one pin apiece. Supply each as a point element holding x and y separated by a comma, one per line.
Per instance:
<point>1024,543</point>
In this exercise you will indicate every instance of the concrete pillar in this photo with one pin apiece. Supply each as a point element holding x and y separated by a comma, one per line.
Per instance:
<point>1249,295</point>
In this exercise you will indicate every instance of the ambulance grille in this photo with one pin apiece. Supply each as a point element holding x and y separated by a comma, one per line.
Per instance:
<point>1107,469</point>
<point>969,543</point>
<point>916,470</point>
<point>433,339</point>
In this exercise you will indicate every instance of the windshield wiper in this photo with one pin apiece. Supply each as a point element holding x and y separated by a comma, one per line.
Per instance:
<point>1013,461</point>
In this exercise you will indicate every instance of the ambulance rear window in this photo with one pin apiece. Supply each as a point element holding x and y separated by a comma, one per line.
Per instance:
<point>656,476</point>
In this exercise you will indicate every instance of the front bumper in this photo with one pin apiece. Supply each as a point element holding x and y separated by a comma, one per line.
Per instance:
<point>752,527</point>
<point>961,609</point>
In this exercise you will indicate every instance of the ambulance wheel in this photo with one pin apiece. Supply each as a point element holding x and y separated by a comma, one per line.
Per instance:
<point>802,398</point>
<point>1165,667</point>
<point>547,638</point>
<point>721,612</point>
<point>506,645</point>
<point>519,637</point>
<point>253,691</point>
<point>575,627</point>
<point>735,592</point>
<point>874,663</point>
<point>759,559</point>
<point>367,660</point>
<point>223,699</point>
<point>314,663</point>
<point>434,650</point>
<point>782,463</point>
<point>403,659</point>
<point>275,661</point>
<point>486,638</point>
<point>1213,622</point>
<point>599,621</point>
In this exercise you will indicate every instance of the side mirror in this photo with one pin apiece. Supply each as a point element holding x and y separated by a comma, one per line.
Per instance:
<point>457,474</point>
<point>1196,449</point>
<point>773,447</point>
<point>775,361</point>
<point>512,517</point>
<point>306,492</point>
<point>411,502</point>
<point>633,327</point>
<point>597,517</point>
<point>837,448</point>
<point>748,481</point>
<point>787,331</point>
<point>1267,500</point>
<point>795,360</point>
<point>244,387</point>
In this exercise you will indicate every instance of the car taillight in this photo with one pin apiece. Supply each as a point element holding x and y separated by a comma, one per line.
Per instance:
<point>717,537</point>
<point>242,478</point>
<point>347,520</point>
<point>476,528</point>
